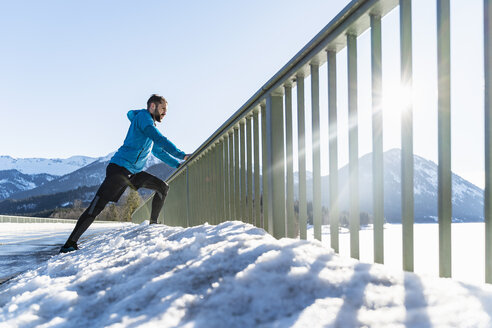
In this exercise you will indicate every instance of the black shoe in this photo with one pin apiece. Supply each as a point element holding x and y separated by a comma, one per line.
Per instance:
<point>69,246</point>
<point>153,222</point>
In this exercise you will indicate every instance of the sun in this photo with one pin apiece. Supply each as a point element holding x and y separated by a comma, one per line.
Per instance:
<point>397,99</point>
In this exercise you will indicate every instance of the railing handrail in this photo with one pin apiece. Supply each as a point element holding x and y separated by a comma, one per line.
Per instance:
<point>43,220</point>
<point>344,20</point>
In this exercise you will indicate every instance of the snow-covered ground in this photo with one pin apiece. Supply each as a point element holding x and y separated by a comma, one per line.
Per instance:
<point>468,248</point>
<point>23,245</point>
<point>230,275</point>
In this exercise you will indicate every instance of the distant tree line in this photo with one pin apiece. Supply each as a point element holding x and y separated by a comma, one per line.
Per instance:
<point>120,211</point>
<point>43,206</point>
<point>343,219</point>
<point>365,218</point>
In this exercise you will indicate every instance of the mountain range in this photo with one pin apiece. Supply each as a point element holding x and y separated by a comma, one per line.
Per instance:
<point>54,166</point>
<point>467,199</point>
<point>13,181</point>
<point>28,193</point>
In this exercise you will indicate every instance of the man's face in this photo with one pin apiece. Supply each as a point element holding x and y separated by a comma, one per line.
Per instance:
<point>160,111</point>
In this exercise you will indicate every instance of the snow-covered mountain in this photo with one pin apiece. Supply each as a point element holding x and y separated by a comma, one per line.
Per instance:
<point>90,175</point>
<point>45,204</point>
<point>466,197</point>
<point>13,181</point>
<point>54,166</point>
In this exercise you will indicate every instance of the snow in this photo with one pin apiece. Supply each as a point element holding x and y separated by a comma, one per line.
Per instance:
<point>54,166</point>
<point>463,188</point>
<point>106,158</point>
<point>468,248</point>
<point>230,275</point>
<point>23,245</point>
<point>151,160</point>
<point>26,184</point>
<point>20,183</point>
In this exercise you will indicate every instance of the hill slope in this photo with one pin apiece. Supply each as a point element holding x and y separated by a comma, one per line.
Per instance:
<point>90,175</point>
<point>13,181</point>
<point>467,198</point>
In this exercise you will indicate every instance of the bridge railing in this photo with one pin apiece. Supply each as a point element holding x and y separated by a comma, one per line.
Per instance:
<point>244,171</point>
<point>30,219</point>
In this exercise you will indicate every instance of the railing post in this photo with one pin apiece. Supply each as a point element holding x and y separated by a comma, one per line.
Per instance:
<point>187,177</point>
<point>232,198</point>
<point>213,184</point>
<point>200,178</point>
<point>333,146</point>
<point>209,185</point>
<point>223,176</point>
<point>201,182</point>
<point>190,192</point>
<point>206,162</point>
<point>237,183</point>
<point>242,131</point>
<point>195,191</point>
<point>377,139</point>
<point>256,136</point>
<point>291,221</point>
<point>317,213</point>
<point>213,180</point>
<point>275,151</point>
<point>354,223</point>
<point>407,202</point>
<point>216,191</point>
<point>488,138</point>
<point>218,170</point>
<point>444,132</point>
<point>249,151</point>
<point>203,216</point>
<point>226,177</point>
<point>301,144</point>
<point>265,172</point>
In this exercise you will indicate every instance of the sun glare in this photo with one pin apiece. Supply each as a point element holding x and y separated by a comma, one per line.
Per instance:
<point>397,98</point>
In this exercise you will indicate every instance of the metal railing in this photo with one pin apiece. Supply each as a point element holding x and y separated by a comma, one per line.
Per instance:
<point>30,219</point>
<point>221,181</point>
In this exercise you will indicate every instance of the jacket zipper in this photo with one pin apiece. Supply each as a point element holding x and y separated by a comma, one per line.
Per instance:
<point>138,156</point>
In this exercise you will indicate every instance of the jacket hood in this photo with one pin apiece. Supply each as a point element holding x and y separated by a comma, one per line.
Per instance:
<point>131,114</point>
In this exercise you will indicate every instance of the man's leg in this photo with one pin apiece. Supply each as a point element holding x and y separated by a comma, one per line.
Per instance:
<point>113,186</point>
<point>83,223</point>
<point>146,180</point>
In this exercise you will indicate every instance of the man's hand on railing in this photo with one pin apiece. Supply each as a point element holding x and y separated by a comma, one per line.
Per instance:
<point>184,160</point>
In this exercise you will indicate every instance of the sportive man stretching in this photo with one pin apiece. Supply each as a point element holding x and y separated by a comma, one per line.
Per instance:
<point>125,167</point>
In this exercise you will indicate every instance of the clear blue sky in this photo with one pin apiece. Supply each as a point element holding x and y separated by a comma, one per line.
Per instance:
<point>71,70</point>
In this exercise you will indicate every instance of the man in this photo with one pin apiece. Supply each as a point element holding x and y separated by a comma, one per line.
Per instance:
<point>125,167</point>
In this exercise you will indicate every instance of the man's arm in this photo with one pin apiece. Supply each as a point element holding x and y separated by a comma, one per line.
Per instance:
<point>162,142</point>
<point>164,156</point>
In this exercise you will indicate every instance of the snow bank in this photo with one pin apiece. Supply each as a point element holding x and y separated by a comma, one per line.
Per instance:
<point>24,246</point>
<point>467,249</point>
<point>230,275</point>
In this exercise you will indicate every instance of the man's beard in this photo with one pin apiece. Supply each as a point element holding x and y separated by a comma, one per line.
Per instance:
<point>157,117</point>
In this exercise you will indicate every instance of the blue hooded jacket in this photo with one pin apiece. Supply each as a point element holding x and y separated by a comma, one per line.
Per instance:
<point>138,143</point>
